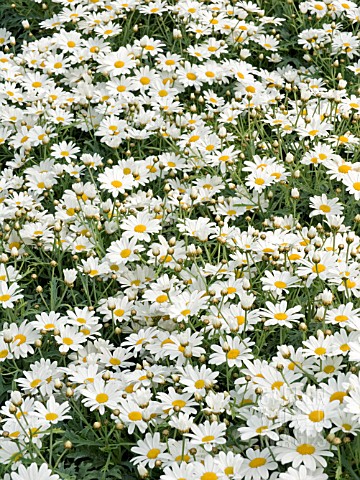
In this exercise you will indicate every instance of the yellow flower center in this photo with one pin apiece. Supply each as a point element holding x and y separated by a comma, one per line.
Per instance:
<point>261,429</point>
<point>277,385</point>
<point>313,132</point>
<point>114,361</point>
<point>116,183</point>
<point>199,383</point>
<point>338,396</point>
<point>316,416</point>
<point>233,353</point>
<point>344,168</point>
<point>318,268</point>
<point>20,339</point>
<point>209,476</point>
<point>140,228</point>
<point>102,397</point>
<point>51,416</point>
<point>153,453</point>
<point>162,298</point>
<point>305,449</point>
<point>257,462</point>
<point>229,471</point>
<point>135,416</point>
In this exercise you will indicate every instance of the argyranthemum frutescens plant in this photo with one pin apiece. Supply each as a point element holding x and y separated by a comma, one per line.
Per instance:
<point>179,276</point>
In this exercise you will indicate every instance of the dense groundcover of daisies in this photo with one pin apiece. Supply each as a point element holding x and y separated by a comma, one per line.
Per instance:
<point>179,240</point>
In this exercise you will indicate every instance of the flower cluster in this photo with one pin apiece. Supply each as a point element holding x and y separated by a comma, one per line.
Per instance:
<point>179,241</point>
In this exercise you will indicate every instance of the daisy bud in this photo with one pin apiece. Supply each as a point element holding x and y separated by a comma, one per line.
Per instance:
<point>342,84</point>
<point>295,193</point>
<point>111,305</point>
<point>57,384</point>
<point>326,297</point>
<point>69,275</point>
<point>194,194</point>
<point>16,398</point>
<point>143,473</point>
<point>316,258</point>
<point>303,327</point>
<point>78,188</point>
<point>258,391</point>
<point>350,237</point>
<point>38,343</point>
<point>12,408</point>
<point>246,284</point>
<point>158,463</point>
<point>68,445</point>
<point>226,347</point>
<point>177,33</point>
<point>69,392</point>
<point>247,301</point>
<point>4,258</point>
<point>8,338</point>
<point>25,24</point>
<point>96,425</point>
<point>222,132</point>
<point>120,426</point>
<point>297,174</point>
<point>284,351</point>
<point>187,352</point>
<point>172,242</point>
<point>216,323</point>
